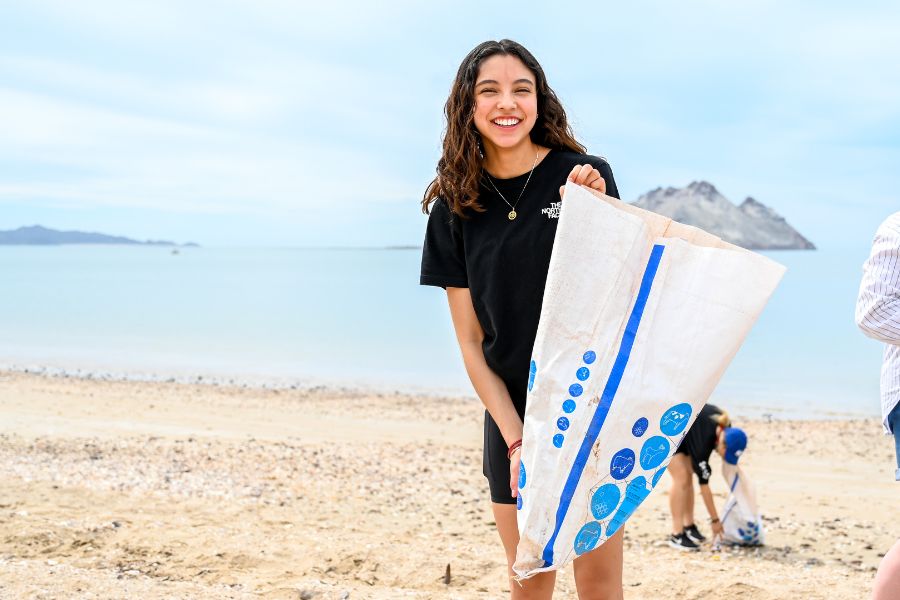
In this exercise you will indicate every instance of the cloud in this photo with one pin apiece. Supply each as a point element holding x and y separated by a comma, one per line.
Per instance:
<point>234,180</point>
<point>204,146</point>
<point>283,110</point>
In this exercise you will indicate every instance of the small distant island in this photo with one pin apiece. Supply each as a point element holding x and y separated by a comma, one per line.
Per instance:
<point>752,225</point>
<point>37,235</point>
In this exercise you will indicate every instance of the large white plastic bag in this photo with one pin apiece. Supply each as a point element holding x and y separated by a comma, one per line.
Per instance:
<point>641,315</point>
<point>740,518</point>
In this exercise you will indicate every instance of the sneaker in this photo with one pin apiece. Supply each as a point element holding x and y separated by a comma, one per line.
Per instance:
<point>692,532</point>
<point>680,541</point>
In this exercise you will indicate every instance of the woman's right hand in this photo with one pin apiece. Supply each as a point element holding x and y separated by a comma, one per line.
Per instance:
<point>514,463</point>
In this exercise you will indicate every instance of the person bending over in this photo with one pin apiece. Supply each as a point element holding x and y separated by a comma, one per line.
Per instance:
<point>711,430</point>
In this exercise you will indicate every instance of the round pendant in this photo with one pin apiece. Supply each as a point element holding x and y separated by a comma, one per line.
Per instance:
<point>512,215</point>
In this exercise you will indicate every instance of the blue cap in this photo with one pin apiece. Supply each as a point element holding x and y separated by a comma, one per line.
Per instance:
<point>735,442</point>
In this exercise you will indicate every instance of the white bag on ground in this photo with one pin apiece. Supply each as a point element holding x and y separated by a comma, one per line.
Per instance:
<point>641,315</point>
<point>740,518</point>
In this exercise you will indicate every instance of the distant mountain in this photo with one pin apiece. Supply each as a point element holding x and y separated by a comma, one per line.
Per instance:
<point>37,235</point>
<point>751,225</point>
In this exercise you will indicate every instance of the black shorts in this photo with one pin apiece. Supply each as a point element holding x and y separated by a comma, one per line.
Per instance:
<point>496,464</point>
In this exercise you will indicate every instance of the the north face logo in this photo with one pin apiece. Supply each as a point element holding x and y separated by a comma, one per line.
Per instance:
<point>553,211</point>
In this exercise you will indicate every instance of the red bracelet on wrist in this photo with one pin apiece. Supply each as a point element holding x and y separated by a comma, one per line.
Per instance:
<point>513,447</point>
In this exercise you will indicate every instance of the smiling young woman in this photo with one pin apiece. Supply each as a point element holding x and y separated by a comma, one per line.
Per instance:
<point>507,153</point>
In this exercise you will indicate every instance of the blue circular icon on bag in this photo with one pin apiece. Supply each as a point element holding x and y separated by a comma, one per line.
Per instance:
<point>562,423</point>
<point>675,419</point>
<point>622,463</point>
<point>532,371</point>
<point>654,452</point>
<point>575,390</point>
<point>587,538</point>
<point>569,406</point>
<point>640,427</point>
<point>605,500</point>
<point>521,475</point>
<point>656,477</point>
<point>582,374</point>
<point>519,502</point>
<point>558,440</point>
<point>589,357</point>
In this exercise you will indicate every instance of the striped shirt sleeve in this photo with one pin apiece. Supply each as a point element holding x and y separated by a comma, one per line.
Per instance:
<point>878,305</point>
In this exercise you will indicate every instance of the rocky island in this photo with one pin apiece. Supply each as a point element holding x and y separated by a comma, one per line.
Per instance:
<point>751,225</point>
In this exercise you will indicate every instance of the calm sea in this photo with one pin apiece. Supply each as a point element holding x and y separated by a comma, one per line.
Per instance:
<point>359,317</point>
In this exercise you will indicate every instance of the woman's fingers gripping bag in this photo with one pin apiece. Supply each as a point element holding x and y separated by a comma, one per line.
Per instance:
<point>640,317</point>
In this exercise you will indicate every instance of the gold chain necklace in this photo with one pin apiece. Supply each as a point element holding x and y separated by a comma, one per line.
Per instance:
<point>512,212</point>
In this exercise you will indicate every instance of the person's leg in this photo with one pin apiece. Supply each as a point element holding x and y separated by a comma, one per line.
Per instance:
<point>887,579</point>
<point>681,502</point>
<point>689,496</point>
<point>681,492</point>
<point>598,574</point>
<point>538,587</point>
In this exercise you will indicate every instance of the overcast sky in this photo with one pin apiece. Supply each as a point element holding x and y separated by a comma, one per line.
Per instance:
<point>276,123</point>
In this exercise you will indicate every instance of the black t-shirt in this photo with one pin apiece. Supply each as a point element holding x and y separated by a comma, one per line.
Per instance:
<point>504,263</point>
<point>700,441</point>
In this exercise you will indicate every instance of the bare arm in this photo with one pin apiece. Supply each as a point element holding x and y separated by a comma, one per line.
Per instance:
<point>707,496</point>
<point>488,385</point>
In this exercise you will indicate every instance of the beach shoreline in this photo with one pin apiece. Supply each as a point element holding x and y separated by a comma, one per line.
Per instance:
<point>743,408</point>
<point>159,489</point>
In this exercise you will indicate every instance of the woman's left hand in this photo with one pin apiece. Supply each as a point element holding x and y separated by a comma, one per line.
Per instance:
<point>587,176</point>
<point>718,529</point>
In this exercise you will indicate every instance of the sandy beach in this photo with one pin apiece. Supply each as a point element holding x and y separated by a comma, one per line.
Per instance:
<point>124,489</point>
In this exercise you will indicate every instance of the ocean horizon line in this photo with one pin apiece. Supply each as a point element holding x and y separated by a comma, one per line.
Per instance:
<point>218,247</point>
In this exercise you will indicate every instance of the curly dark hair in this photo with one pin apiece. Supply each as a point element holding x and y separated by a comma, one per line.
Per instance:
<point>460,166</point>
